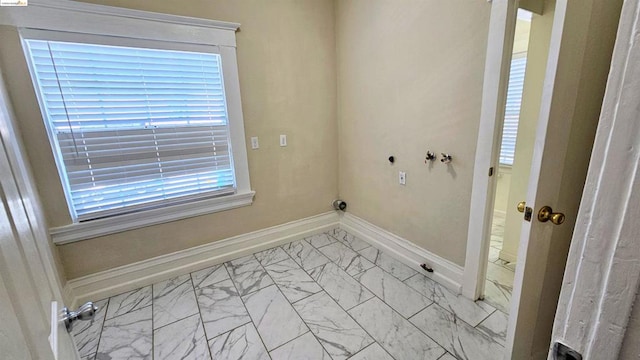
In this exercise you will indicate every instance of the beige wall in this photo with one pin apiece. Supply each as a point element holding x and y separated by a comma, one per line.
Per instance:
<point>502,189</point>
<point>520,45</point>
<point>410,80</point>
<point>286,58</point>
<point>521,36</point>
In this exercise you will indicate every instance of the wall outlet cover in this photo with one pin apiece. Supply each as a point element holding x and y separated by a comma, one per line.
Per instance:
<point>402,178</point>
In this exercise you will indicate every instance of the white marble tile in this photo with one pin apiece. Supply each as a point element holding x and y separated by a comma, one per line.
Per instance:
<point>494,254</point>
<point>294,282</point>
<point>86,334</point>
<point>497,295</point>
<point>209,276</point>
<point>388,263</point>
<point>248,275</point>
<point>447,356</point>
<point>337,332</point>
<point>498,287</point>
<point>129,301</point>
<point>127,337</point>
<point>393,332</point>
<point>276,320</point>
<point>271,256</point>
<point>392,291</point>
<point>320,240</point>
<point>305,255</point>
<point>372,352</point>
<point>348,239</point>
<point>183,339</point>
<point>349,260</point>
<point>495,327</point>
<point>221,308</point>
<point>173,300</point>
<point>240,343</point>
<point>456,336</point>
<point>340,286</point>
<point>472,312</point>
<point>306,347</point>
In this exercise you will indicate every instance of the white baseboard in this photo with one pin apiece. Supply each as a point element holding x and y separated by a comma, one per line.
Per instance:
<point>115,281</point>
<point>444,271</point>
<point>507,256</point>
<point>129,277</point>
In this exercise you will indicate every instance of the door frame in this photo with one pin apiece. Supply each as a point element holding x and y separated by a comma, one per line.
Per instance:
<point>496,80</point>
<point>29,275</point>
<point>494,98</point>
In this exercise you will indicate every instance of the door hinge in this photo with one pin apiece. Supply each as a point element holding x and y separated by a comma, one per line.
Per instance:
<point>491,171</point>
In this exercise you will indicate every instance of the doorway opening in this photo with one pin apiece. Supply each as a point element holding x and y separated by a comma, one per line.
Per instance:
<point>512,175</point>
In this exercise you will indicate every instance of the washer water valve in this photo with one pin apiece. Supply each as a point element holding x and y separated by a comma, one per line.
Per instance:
<point>430,157</point>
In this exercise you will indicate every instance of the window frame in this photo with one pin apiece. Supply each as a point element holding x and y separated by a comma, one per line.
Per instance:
<point>115,26</point>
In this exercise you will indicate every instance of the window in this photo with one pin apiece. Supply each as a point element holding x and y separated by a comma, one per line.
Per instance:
<point>137,125</point>
<point>512,110</point>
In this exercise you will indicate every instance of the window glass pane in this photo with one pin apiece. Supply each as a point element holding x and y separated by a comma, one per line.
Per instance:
<point>134,127</point>
<point>512,110</point>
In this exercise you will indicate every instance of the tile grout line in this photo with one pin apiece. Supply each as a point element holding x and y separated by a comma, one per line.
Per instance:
<point>252,322</point>
<point>95,355</point>
<point>457,318</point>
<point>204,330</point>
<point>485,318</point>
<point>374,339</point>
<point>314,335</point>
<point>324,291</point>
<point>290,304</point>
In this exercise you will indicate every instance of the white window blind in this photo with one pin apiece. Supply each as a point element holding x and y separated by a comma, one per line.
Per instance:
<point>512,110</point>
<point>134,128</point>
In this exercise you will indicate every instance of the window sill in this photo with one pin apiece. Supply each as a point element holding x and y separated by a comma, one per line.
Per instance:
<point>101,227</point>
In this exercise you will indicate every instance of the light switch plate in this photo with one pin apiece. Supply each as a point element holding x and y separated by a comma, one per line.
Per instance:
<point>283,140</point>
<point>254,143</point>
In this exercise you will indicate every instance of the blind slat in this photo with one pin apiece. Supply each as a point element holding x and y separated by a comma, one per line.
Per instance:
<point>512,110</point>
<point>134,127</point>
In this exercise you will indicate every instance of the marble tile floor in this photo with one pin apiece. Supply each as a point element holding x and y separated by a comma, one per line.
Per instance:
<point>500,273</point>
<point>328,296</point>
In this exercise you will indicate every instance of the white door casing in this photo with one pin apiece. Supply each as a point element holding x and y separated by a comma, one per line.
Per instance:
<point>29,277</point>
<point>494,99</point>
<point>603,267</point>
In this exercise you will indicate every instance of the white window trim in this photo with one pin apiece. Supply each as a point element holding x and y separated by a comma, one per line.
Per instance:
<point>52,15</point>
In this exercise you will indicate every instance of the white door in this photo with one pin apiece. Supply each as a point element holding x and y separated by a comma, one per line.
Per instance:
<point>30,293</point>
<point>581,41</point>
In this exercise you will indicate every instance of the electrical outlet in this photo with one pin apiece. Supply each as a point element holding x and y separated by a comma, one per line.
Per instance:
<point>254,143</point>
<point>283,140</point>
<point>402,178</point>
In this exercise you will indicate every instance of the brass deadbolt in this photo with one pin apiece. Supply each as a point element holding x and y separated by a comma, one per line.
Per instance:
<point>546,213</point>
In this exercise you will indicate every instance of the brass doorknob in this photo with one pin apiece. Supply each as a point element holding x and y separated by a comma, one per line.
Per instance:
<point>521,206</point>
<point>546,213</point>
